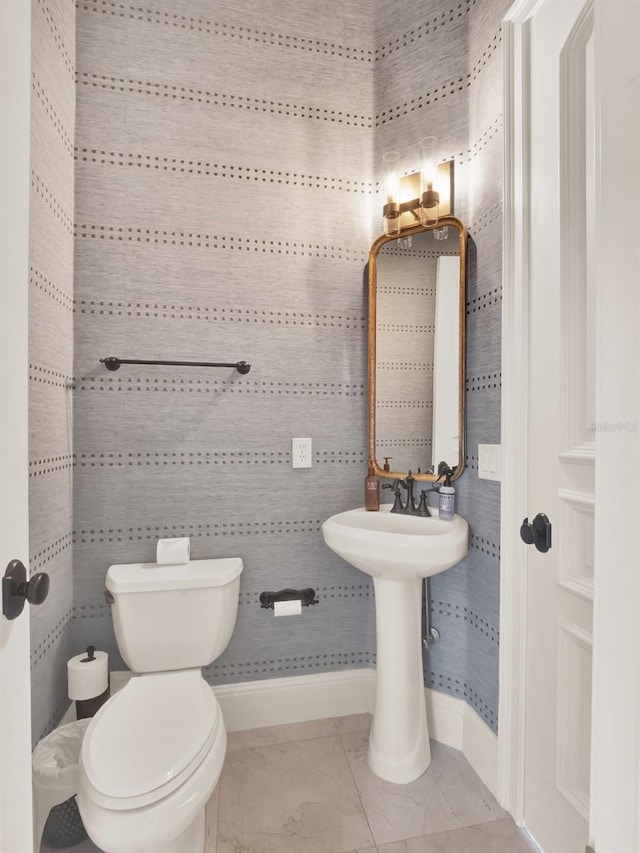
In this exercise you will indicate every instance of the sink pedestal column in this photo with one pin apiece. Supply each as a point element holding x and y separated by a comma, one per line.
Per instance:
<point>399,748</point>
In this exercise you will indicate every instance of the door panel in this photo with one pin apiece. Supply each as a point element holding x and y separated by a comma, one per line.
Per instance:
<point>575,663</point>
<point>561,449</point>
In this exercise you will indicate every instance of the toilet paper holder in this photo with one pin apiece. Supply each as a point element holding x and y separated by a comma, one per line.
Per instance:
<point>306,596</point>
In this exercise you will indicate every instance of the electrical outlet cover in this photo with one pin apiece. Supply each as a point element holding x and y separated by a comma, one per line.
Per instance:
<point>301,453</point>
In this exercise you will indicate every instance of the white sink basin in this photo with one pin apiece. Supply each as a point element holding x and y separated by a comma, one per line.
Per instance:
<point>394,546</point>
<point>398,551</point>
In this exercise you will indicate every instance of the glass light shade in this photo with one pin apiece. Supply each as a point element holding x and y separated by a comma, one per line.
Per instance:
<point>391,226</point>
<point>391,177</point>
<point>391,182</point>
<point>429,197</point>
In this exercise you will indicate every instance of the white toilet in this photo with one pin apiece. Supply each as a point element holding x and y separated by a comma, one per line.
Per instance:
<point>153,753</point>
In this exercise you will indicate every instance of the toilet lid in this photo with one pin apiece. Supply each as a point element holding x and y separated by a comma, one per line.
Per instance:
<point>149,733</point>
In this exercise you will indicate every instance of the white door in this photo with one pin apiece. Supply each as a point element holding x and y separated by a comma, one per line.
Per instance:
<point>15,708</point>
<point>561,405</point>
<point>569,753</point>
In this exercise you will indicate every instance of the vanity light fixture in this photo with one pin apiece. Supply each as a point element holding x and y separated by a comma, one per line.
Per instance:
<point>420,197</point>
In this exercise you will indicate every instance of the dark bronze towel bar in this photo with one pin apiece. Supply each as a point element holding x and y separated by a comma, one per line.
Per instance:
<point>113,363</point>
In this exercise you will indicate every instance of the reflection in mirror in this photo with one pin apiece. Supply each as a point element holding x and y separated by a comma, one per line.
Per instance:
<point>419,337</point>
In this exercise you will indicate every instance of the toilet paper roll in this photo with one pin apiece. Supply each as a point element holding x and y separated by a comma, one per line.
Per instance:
<point>287,608</point>
<point>87,679</point>
<point>173,551</point>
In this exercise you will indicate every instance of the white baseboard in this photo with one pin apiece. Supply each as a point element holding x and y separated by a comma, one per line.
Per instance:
<point>454,723</point>
<point>480,748</point>
<point>299,698</point>
<point>445,717</point>
<point>295,699</point>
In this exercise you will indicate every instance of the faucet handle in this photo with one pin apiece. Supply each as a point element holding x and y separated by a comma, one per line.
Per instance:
<point>397,504</point>
<point>423,506</point>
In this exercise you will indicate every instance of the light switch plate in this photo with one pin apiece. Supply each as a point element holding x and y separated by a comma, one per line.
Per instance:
<point>489,461</point>
<point>301,453</point>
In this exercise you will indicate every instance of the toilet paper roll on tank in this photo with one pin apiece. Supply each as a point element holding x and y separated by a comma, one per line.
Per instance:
<point>173,552</point>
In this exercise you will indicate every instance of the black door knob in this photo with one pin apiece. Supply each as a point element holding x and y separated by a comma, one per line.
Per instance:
<point>537,533</point>
<point>38,588</point>
<point>16,589</point>
<point>526,532</point>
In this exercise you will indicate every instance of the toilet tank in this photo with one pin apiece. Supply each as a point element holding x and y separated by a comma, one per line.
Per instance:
<point>174,617</point>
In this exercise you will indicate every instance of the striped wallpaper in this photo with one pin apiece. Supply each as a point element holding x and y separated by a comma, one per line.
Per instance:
<point>226,167</point>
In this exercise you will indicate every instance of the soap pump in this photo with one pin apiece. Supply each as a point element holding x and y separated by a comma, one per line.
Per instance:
<point>371,491</point>
<point>447,493</point>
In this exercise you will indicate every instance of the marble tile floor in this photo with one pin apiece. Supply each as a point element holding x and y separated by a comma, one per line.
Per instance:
<point>306,788</point>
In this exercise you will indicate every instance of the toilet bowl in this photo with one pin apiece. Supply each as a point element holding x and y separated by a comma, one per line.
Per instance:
<point>150,760</point>
<point>153,754</point>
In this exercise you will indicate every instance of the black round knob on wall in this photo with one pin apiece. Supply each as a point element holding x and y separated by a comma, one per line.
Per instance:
<point>16,589</point>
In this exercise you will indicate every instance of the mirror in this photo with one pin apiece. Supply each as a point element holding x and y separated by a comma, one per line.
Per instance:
<point>416,350</point>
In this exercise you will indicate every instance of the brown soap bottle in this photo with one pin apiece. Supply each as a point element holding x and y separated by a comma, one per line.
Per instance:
<point>371,491</point>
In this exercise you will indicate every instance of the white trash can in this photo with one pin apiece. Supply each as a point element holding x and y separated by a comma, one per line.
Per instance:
<point>55,781</point>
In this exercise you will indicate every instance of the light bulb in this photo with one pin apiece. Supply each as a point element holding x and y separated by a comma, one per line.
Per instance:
<point>391,210</point>
<point>429,196</point>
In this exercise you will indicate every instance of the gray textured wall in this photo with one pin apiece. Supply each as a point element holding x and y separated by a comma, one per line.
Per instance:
<point>471,592</point>
<point>51,351</point>
<point>226,195</point>
<point>223,201</point>
<point>440,74</point>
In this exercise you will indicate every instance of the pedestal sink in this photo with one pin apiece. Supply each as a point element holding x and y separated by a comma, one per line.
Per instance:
<point>398,551</point>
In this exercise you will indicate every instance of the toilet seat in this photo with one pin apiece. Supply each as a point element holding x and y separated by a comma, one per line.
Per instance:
<point>149,738</point>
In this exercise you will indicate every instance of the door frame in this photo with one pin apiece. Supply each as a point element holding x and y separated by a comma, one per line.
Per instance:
<point>615,764</point>
<point>15,671</point>
<point>514,415</point>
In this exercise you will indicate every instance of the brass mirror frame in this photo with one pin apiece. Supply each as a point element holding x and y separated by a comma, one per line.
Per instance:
<point>371,343</point>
